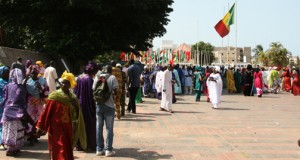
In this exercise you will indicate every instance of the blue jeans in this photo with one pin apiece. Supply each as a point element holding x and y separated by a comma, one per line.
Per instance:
<point>104,114</point>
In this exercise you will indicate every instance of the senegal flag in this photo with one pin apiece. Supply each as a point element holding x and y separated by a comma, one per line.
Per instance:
<point>223,26</point>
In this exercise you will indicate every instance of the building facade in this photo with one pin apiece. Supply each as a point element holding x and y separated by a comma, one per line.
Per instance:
<point>232,55</point>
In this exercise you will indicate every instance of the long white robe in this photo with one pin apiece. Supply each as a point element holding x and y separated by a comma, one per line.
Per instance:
<point>158,81</point>
<point>265,75</point>
<point>215,89</point>
<point>166,99</point>
<point>50,75</point>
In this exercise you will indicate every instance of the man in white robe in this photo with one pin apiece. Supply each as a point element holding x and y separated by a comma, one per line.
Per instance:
<point>158,83</point>
<point>215,86</point>
<point>51,77</point>
<point>166,100</point>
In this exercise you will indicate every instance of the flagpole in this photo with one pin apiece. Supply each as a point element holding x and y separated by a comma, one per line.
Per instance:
<point>235,31</point>
<point>197,53</point>
<point>228,44</point>
<point>222,43</point>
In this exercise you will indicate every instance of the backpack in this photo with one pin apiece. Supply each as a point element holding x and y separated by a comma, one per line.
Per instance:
<point>101,92</point>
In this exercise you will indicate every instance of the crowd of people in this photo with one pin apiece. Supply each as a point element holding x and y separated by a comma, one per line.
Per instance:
<point>35,101</point>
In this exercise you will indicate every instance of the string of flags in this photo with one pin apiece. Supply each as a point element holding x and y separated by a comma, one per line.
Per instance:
<point>165,56</point>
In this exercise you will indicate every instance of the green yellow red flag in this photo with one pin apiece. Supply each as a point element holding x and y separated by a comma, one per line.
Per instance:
<point>223,26</point>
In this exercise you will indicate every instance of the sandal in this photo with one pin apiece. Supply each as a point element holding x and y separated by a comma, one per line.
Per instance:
<point>78,148</point>
<point>13,153</point>
<point>3,146</point>
<point>161,109</point>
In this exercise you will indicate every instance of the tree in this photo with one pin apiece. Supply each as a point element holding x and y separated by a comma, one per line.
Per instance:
<point>278,54</point>
<point>298,61</point>
<point>83,29</point>
<point>263,58</point>
<point>257,50</point>
<point>204,48</point>
<point>107,57</point>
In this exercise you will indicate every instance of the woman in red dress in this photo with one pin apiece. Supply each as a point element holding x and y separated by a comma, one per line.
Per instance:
<point>296,82</point>
<point>286,75</point>
<point>56,119</point>
<point>258,82</point>
<point>205,89</point>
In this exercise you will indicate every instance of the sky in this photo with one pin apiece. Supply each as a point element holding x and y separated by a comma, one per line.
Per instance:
<point>259,22</point>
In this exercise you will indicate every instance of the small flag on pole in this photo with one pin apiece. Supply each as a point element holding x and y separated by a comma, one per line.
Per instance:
<point>223,26</point>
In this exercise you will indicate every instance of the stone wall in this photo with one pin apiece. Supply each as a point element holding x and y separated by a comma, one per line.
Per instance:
<point>9,55</point>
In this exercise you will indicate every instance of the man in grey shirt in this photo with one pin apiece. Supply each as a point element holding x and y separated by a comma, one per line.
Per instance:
<point>105,113</point>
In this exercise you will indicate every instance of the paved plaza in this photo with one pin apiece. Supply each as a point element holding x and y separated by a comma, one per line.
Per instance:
<point>243,128</point>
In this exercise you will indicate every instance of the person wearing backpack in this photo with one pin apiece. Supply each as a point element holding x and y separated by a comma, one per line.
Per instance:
<point>105,111</point>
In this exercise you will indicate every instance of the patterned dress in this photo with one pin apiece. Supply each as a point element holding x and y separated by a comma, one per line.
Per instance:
<point>14,104</point>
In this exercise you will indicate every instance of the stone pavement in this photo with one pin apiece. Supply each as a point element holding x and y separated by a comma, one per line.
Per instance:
<point>243,128</point>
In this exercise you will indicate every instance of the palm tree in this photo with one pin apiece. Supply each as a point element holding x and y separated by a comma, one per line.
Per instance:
<point>257,50</point>
<point>278,54</point>
<point>263,58</point>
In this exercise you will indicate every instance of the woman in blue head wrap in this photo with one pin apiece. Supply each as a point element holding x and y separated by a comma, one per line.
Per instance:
<point>4,76</point>
<point>14,105</point>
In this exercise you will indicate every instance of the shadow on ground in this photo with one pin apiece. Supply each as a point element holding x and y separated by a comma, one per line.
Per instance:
<point>186,112</point>
<point>136,119</point>
<point>140,155</point>
<point>29,155</point>
<point>239,109</point>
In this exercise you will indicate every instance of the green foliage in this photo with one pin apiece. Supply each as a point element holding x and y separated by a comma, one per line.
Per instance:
<point>204,48</point>
<point>83,29</point>
<point>263,58</point>
<point>298,61</point>
<point>278,54</point>
<point>258,52</point>
<point>107,57</point>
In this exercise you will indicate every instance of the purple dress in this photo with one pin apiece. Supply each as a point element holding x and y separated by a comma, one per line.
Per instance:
<point>14,103</point>
<point>84,93</point>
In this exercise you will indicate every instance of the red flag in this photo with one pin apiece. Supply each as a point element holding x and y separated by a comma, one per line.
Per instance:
<point>123,56</point>
<point>188,55</point>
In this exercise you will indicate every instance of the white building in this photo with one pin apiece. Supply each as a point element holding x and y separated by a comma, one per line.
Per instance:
<point>232,55</point>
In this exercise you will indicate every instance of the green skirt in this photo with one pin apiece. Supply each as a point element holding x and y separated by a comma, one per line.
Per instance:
<point>138,98</point>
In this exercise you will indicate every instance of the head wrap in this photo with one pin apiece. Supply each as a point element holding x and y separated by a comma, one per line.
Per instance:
<point>90,68</point>
<point>28,63</point>
<point>2,69</point>
<point>243,70</point>
<point>34,69</point>
<point>197,68</point>
<point>118,65</point>
<point>69,77</point>
<point>39,63</point>
<point>217,68</point>
<point>274,68</point>
<point>16,76</point>
<point>249,67</point>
